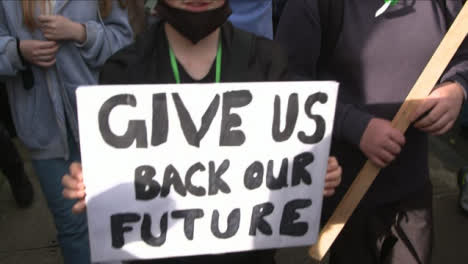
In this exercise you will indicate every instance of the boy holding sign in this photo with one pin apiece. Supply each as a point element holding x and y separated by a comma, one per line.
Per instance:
<point>194,44</point>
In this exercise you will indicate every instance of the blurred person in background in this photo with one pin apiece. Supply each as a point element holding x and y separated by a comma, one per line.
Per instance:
<point>11,164</point>
<point>463,173</point>
<point>141,14</point>
<point>47,49</point>
<point>254,16</point>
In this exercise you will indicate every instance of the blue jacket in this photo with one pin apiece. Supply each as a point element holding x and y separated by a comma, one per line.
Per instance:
<point>43,113</point>
<point>254,16</point>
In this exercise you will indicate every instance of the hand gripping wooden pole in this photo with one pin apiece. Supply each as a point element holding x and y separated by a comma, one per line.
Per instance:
<point>424,85</point>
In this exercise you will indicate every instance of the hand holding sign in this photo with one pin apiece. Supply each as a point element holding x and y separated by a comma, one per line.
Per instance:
<point>333,177</point>
<point>74,187</point>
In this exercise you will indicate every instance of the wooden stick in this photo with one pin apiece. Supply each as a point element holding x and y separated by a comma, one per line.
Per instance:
<point>424,85</point>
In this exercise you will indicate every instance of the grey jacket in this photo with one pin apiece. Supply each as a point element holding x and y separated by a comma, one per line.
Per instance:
<point>377,61</point>
<point>43,113</point>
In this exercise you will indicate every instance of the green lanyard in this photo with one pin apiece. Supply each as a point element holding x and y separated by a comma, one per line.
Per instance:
<point>175,68</point>
<point>392,2</point>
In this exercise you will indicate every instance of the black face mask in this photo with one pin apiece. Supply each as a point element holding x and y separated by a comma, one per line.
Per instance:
<point>195,26</point>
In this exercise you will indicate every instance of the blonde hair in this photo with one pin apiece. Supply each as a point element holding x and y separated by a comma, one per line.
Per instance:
<point>29,6</point>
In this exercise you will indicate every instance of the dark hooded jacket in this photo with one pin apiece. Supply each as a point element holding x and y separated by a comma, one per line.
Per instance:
<point>377,61</point>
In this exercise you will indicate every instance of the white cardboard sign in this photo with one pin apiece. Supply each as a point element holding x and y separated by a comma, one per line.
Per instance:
<point>180,170</point>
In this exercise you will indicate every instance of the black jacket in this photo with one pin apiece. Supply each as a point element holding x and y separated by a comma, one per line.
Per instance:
<point>376,61</point>
<point>5,114</point>
<point>245,58</point>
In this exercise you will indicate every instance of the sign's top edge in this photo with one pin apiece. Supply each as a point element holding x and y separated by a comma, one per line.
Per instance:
<point>257,84</point>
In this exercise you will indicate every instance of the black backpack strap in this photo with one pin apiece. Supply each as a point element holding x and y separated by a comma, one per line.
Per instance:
<point>443,6</point>
<point>331,23</point>
<point>240,55</point>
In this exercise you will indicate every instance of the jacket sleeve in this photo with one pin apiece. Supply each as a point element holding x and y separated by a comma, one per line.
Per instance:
<point>299,33</point>
<point>457,70</point>
<point>118,69</point>
<point>272,58</point>
<point>10,62</point>
<point>107,36</point>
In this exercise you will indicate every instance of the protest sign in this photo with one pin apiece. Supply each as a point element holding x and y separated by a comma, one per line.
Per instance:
<point>180,170</point>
